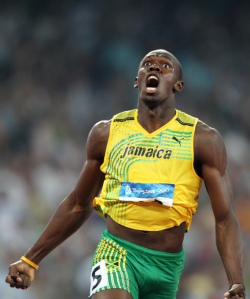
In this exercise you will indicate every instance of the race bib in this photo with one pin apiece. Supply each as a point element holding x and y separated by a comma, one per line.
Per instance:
<point>98,278</point>
<point>138,192</point>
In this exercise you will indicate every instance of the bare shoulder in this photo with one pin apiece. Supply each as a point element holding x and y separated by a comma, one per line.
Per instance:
<point>100,130</point>
<point>209,147</point>
<point>206,135</point>
<point>98,139</point>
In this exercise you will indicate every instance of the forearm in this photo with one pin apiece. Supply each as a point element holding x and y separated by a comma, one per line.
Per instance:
<point>67,219</point>
<point>230,247</point>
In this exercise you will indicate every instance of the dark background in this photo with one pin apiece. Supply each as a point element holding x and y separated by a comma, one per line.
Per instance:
<point>64,65</point>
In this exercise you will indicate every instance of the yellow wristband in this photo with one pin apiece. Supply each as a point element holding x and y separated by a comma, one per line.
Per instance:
<point>23,258</point>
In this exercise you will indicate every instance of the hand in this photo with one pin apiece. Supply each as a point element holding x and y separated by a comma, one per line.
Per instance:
<point>236,291</point>
<point>20,275</point>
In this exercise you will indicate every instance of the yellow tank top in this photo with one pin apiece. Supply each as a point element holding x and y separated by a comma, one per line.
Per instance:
<point>150,181</point>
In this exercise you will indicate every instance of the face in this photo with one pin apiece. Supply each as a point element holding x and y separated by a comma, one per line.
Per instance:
<point>158,76</point>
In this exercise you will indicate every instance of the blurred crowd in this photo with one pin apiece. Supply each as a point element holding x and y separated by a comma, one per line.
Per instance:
<point>64,65</point>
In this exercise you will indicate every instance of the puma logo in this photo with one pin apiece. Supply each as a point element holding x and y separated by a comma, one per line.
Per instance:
<point>177,140</point>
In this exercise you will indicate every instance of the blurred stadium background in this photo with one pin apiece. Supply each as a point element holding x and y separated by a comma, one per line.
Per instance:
<point>64,65</point>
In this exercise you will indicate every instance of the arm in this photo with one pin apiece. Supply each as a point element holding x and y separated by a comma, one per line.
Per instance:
<point>74,210</point>
<point>210,155</point>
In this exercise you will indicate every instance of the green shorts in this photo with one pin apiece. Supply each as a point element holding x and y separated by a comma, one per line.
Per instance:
<point>144,273</point>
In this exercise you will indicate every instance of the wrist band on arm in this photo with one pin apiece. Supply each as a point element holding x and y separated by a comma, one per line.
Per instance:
<point>238,283</point>
<point>23,258</point>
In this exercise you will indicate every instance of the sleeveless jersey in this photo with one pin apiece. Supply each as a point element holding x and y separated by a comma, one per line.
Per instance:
<point>150,181</point>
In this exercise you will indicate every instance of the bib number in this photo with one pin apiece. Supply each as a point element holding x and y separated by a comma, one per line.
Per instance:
<point>98,277</point>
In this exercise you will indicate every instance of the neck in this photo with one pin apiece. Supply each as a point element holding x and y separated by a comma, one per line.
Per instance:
<point>153,118</point>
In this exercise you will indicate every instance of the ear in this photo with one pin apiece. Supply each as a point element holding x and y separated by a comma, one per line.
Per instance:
<point>178,86</point>
<point>136,83</point>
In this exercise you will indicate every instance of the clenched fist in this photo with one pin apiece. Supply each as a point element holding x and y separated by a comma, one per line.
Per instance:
<point>20,275</point>
<point>236,291</point>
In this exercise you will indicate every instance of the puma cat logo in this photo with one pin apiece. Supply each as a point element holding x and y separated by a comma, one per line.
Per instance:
<point>177,140</point>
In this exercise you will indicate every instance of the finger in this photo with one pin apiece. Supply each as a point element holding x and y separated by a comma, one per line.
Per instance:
<point>26,282</point>
<point>14,274</point>
<point>19,281</point>
<point>8,279</point>
<point>13,281</point>
<point>29,282</point>
<point>18,286</point>
<point>13,271</point>
<point>12,284</point>
<point>237,290</point>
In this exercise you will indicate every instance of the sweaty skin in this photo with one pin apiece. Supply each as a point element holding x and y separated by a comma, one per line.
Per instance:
<point>155,109</point>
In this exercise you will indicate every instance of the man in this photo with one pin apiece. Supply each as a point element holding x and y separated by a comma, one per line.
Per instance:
<point>151,163</point>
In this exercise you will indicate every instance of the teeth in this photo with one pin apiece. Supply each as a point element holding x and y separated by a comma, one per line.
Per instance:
<point>153,77</point>
<point>151,88</point>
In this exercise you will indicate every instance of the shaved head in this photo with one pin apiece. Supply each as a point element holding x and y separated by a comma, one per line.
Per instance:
<point>171,57</point>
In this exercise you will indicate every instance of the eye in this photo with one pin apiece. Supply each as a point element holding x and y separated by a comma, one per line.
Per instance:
<point>147,63</point>
<point>166,65</point>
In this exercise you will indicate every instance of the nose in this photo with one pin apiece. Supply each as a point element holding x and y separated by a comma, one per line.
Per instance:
<point>154,67</point>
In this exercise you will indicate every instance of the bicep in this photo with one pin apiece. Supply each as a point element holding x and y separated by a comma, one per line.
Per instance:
<point>91,178</point>
<point>89,182</point>
<point>213,159</point>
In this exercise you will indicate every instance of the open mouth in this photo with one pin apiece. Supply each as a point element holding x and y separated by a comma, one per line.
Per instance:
<point>152,83</point>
